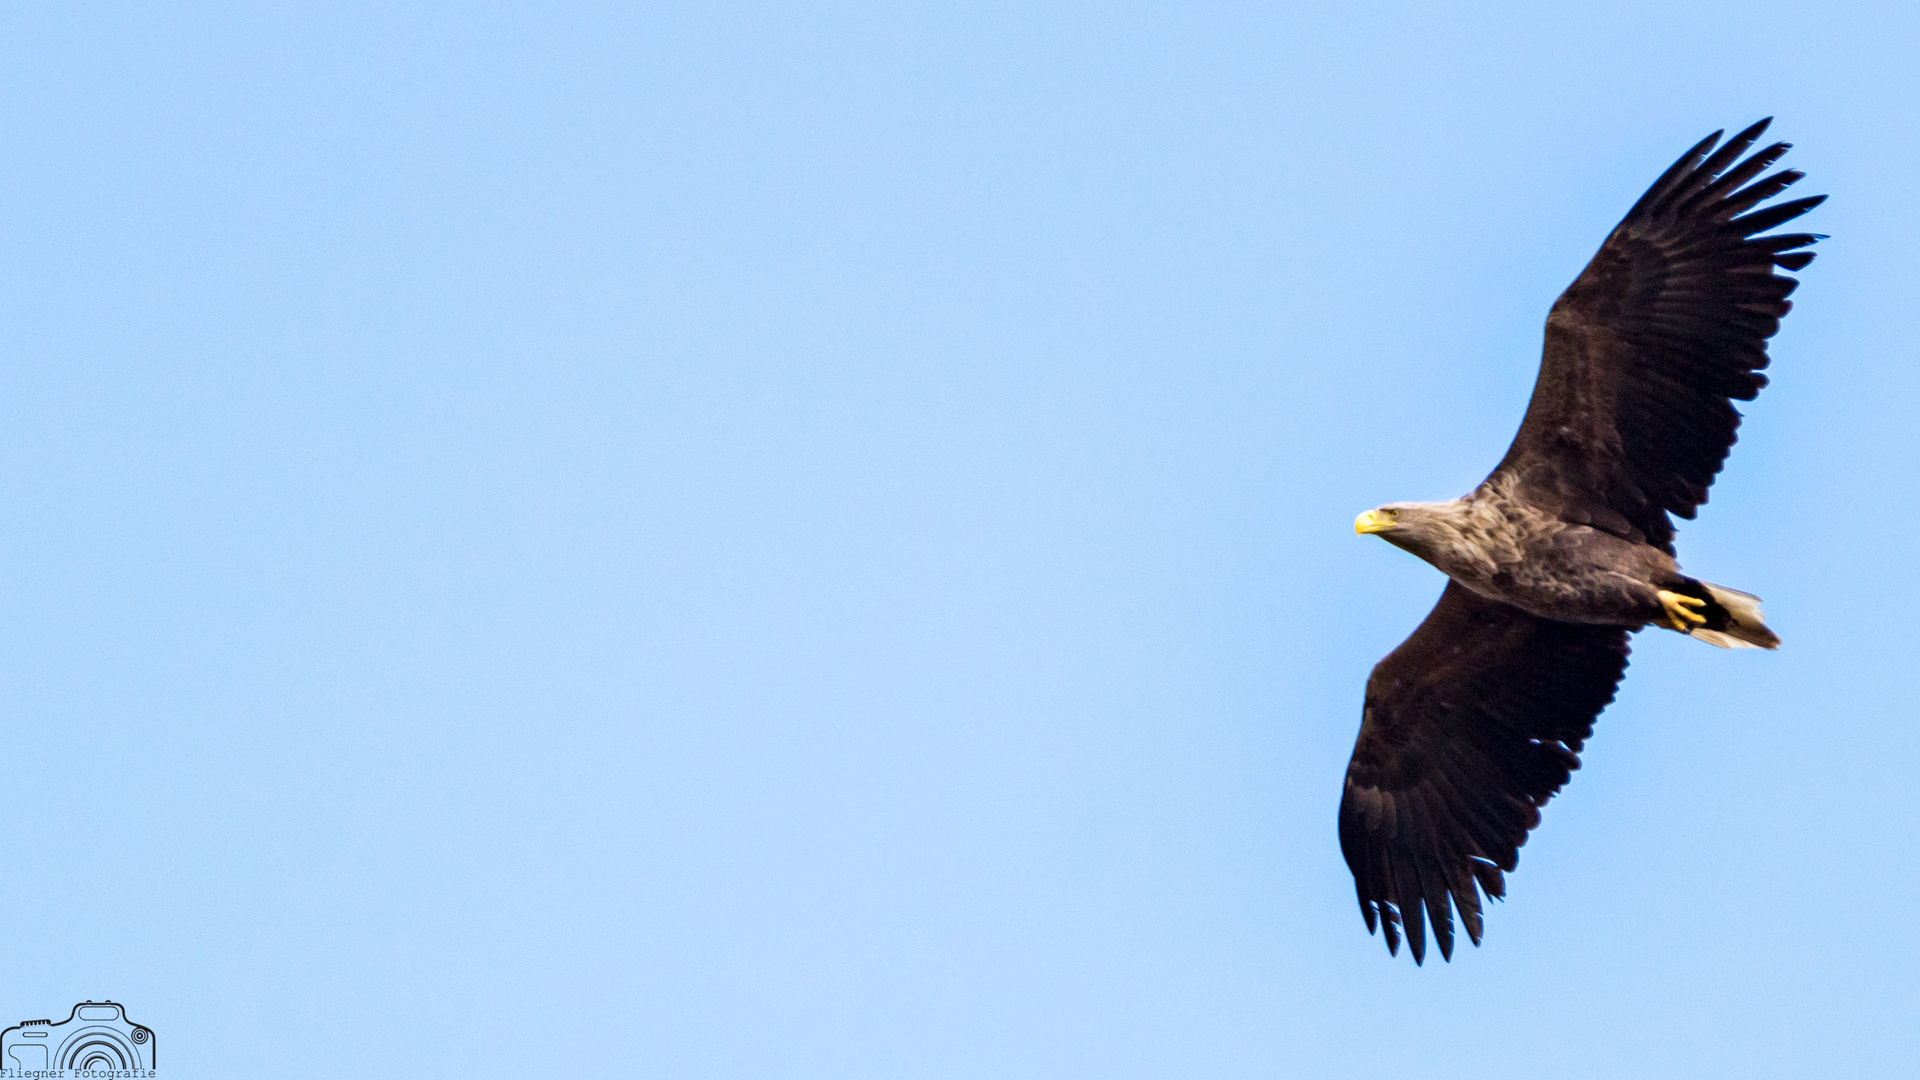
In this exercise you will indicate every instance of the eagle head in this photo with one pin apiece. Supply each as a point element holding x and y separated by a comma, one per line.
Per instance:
<point>1421,528</point>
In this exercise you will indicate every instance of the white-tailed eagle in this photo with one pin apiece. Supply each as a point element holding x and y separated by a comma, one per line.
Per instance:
<point>1476,720</point>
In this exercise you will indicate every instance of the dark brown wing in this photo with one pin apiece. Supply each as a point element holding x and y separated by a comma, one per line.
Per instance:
<point>1632,415</point>
<point>1470,726</point>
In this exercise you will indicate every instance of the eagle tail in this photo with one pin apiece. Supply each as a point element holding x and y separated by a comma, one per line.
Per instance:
<point>1734,620</point>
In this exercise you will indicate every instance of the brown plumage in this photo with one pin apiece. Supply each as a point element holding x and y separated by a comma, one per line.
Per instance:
<point>1477,719</point>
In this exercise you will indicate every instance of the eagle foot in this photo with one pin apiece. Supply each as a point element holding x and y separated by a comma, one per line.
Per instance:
<point>1680,613</point>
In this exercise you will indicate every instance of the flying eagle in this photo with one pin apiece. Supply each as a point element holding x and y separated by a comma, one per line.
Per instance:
<point>1476,720</point>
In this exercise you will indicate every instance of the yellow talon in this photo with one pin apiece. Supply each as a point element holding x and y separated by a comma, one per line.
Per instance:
<point>1680,610</point>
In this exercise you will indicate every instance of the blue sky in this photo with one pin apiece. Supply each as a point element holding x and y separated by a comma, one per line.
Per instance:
<point>814,540</point>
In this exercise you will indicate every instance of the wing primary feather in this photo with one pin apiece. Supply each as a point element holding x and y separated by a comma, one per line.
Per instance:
<point>1761,220</point>
<point>1413,923</point>
<point>1739,174</point>
<point>1755,193</point>
<point>1467,900</point>
<point>1433,883</point>
<point>1786,241</point>
<point>1389,918</point>
<point>1700,178</point>
<point>1675,172</point>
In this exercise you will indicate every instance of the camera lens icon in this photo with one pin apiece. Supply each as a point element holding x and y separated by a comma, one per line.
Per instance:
<point>97,1037</point>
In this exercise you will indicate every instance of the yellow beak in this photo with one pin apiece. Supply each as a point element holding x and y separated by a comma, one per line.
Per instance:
<point>1372,521</point>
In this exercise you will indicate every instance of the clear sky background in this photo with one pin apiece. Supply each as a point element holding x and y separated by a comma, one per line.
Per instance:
<point>814,540</point>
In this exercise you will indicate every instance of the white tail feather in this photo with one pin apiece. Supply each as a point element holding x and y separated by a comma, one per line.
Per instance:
<point>1749,627</point>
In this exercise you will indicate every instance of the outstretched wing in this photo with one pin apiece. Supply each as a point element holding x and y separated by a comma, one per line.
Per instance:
<point>1470,726</point>
<point>1632,415</point>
